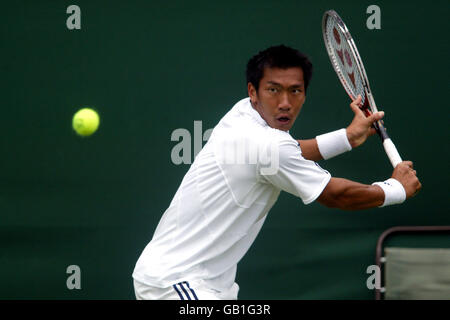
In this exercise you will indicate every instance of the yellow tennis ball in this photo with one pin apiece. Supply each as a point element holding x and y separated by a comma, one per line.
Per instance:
<point>85,122</point>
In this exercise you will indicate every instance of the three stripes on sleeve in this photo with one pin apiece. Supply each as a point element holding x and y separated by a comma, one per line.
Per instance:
<point>185,291</point>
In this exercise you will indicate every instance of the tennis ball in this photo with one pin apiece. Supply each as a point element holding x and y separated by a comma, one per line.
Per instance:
<point>85,122</point>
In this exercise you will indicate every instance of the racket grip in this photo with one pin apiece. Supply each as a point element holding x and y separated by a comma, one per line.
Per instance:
<point>392,152</point>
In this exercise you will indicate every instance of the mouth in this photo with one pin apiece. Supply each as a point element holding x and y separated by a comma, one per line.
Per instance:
<point>283,120</point>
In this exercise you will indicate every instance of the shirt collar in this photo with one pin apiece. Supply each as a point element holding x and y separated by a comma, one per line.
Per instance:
<point>247,108</point>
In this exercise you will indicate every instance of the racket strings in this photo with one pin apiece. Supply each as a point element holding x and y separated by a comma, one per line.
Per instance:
<point>343,60</point>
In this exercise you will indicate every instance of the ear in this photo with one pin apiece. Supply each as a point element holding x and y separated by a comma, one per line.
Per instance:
<point>252,93</point>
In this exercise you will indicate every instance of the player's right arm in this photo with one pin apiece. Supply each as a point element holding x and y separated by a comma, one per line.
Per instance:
<point>349,195</point>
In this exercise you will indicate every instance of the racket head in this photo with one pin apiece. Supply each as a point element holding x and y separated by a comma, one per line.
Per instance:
<point>348,65</point>
<point>345,59</point>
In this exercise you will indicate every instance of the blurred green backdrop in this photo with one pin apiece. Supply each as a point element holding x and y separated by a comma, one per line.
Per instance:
<point>150,67</point>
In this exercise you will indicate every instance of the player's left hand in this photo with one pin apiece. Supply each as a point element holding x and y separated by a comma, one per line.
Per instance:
<point>361,127</point>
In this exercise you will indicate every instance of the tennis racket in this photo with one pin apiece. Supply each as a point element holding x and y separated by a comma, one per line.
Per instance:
<point>348,65</point>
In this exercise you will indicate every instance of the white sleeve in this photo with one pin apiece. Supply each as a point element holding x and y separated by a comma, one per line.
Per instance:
<point>294,174</point>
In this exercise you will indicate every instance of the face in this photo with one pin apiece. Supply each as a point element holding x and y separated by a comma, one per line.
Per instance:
<point>280,96</point>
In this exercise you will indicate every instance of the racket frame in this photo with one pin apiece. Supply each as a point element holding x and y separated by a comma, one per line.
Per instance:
<point>369,101</point>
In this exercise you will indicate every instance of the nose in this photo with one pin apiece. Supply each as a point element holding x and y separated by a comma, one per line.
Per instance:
<point>284,103</point>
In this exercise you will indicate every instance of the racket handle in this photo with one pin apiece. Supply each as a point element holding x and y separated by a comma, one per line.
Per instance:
<point>392,152</point>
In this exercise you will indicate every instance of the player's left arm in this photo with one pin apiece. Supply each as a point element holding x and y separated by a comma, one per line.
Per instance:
<point>357,132</point>
<point>351,195</point>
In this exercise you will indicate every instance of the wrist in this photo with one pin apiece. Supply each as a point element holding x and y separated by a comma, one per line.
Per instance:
<point>351,138</point>
<point>333,143</point>
<point>394,193</point>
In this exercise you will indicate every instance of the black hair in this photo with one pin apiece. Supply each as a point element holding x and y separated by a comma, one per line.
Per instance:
<point>282,57</point>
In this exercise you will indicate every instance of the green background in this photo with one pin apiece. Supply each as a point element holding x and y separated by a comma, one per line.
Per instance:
<point>150,67</point>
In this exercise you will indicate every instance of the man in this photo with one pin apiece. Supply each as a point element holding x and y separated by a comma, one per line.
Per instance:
<point>237,177</point>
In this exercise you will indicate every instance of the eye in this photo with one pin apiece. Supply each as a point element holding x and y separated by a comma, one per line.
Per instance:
<point>297,91</point>
<point>273,90</point>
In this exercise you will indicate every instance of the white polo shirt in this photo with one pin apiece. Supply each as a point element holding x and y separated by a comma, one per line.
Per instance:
<point>224,199</point>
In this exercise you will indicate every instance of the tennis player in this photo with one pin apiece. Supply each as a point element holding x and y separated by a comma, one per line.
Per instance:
<point>224,198</point>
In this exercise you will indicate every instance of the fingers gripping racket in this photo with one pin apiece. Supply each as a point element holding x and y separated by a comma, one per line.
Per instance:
<point>348,65</point>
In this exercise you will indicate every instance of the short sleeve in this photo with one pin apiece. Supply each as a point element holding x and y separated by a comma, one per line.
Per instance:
<point>292,173</point>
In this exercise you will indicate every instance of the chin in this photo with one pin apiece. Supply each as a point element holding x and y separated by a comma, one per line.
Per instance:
<point>282,128</point>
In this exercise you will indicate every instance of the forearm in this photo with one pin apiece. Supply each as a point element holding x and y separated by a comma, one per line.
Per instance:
<point>349,195</point>
<point>326,146</point>
<point>310,149</point>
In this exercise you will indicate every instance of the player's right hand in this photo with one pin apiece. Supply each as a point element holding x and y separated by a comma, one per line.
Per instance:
<point>407,176</point>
